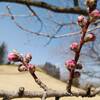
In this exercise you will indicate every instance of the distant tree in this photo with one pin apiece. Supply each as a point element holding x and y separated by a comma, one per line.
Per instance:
<point>3,52</point>
<point>52,70</point>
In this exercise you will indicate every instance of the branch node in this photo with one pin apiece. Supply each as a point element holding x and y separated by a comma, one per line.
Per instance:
<point>57,98</point>
<point>21,91</point>
<point>6,97</point>
<point>88,91</point>
<point>44,96</point>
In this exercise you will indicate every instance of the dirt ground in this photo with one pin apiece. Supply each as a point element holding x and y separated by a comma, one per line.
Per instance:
<point>11,79</point>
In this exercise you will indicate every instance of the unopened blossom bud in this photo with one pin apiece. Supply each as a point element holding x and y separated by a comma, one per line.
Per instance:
<point>14,57</point>
<point>31,67</point>
<point>89,37</point>
<point>76,74</point>
<point>82,21</point>
<point>74,46</point>
<point>94,15</point>
<point>22,68</point>
<point>91,4</point>
<point>79,66</point>
<point>70,64</point>
<point>27,57</point>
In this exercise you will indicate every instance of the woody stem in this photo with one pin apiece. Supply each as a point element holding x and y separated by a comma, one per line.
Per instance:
<point>77,55</point>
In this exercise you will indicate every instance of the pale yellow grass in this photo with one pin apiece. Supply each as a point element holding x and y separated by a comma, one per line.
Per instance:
<point>11,79</point>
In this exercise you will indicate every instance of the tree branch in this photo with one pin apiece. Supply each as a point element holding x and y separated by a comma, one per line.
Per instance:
<point>54,8</point>
<point>48,35</point>
<point>41,94</point>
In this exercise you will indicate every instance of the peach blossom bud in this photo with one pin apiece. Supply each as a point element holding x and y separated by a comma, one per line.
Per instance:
<point>80,18</point>
<point>70,64</point>
<point>22,68</point>
<point>82,21</point>
<point>28,57</point>
<point>89,37</point>
<point>31,67</point>
<point>13,57</point>
<point>91,4</point>
<point>94,15</point>
<point>74,46</point>
<point>76,74</point>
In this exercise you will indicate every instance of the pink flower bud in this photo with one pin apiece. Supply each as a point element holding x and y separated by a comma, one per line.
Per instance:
<point>94,15</point>
<point>13,57</point>
<point>31,67</point>
<point>28,57</point>
<point>82,21</point>
<point>89,37</point>
<point>76,74</point>
<point>80,18</point>
<point>70,64</point>
<point>74,46</point>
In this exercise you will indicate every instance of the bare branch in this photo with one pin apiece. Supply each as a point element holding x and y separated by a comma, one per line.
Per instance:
<point>24,29</point>
<point>47,35</point>
<point>44,96</point>
<point>50,93</point>
<point>39,82</point>
<point>41,4</point>
<point>75,33</point>
<point>20,15</point>
<point>34,13</point>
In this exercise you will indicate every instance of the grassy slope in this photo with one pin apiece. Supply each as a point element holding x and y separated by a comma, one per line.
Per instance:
<point>11,79</point>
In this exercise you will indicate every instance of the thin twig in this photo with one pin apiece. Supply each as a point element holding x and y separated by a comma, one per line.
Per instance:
<point>34,13</point>
<point>47,35</point>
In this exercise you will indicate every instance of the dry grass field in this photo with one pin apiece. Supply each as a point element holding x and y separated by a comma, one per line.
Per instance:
<point>11,79</point>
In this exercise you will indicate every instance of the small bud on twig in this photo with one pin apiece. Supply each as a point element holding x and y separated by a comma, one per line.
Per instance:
<point>91,4</point>
<point>14,57</point>
<point>70,64</point>
<point>82,21</point>
<point>74,46</point>
<point>90,37</point>
<point>94,15</point>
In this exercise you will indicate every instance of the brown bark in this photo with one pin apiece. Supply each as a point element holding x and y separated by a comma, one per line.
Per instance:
<point>54,8</point>
<point>49,93</point>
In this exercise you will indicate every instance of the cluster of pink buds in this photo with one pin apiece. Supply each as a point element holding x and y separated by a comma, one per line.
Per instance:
<point>72,65</point>
<point>82,21</point>
<point>89,37</point>
<point>25,61</point>
<point>74,46</point>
